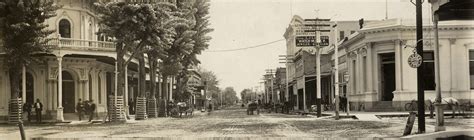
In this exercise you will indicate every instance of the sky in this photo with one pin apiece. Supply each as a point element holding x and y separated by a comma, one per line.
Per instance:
<point>246,23</point>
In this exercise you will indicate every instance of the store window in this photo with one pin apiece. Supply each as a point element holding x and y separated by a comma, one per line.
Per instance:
<point>429,71</point>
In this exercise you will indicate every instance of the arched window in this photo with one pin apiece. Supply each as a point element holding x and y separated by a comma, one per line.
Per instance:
<point>65,28</point>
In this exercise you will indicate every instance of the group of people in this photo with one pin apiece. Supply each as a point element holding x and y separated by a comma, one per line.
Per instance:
<point>85,108</point>
<point>37,106</point>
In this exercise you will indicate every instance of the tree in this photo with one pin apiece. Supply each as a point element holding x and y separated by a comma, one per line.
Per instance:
<point>246,95</point>
<point>24,34</point>
<point>199,39</point>
<point>229,96</point>
<point>182,44</point>
<point>133,26</point>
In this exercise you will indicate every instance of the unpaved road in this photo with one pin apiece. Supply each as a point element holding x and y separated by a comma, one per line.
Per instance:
<point>231,122</point>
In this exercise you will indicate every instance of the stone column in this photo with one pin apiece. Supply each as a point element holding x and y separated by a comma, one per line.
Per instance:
<point>59,115</point>
<point>23,84</point>
<point>398,66</point>
<point>370,80</point>
<point>126,92</point>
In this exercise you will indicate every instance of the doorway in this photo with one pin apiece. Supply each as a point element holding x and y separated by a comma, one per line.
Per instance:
<point>300,99</point>
<point>30,97</point>
<point>68,99</point>
<point>387,75</point>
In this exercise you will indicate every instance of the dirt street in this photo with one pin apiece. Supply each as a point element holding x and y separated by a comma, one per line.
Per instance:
<point>230,122</point>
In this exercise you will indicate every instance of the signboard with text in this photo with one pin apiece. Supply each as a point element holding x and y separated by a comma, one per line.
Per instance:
<point>305,41</point>
<point>309,41</point>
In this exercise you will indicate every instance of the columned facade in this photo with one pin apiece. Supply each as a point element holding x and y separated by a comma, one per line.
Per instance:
<point>379,71</point>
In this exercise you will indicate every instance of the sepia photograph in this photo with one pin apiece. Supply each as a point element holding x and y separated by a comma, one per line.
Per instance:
<point>236,69</point>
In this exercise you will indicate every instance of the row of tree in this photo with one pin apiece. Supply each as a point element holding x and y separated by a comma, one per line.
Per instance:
<point>228,96</point>
<point>169,35</point>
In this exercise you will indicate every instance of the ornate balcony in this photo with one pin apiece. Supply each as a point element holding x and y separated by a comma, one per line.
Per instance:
<point>80,44</point>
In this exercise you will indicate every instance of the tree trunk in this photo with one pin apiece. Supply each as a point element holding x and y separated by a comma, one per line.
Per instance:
<point>15,104</point>
<point>152,110</point>
<point>15,77</point>
<point>116,104</point>
<point>164,97</point>
<point>141,102</point>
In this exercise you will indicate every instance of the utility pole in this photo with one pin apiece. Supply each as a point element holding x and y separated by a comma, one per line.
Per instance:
<point>336,73</point>
<point>287,58</point>
<point>318,43</point>
<point>419,50</point>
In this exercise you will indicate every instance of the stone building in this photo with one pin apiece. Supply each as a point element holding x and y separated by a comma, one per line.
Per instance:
<point>380,78</point>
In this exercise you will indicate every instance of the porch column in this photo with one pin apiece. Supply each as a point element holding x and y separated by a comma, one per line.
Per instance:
<point>126,91</point>
<point>59,114</point>
<point>115,83</point>
<point>23,84</point>
<point>171,88</point>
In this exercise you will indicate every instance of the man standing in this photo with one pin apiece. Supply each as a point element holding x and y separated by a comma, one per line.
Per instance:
<point>91,109</point>
<point>38,108</point>
<point>80,109</point>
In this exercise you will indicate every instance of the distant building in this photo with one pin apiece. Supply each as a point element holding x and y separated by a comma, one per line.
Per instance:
<point>301,72</point>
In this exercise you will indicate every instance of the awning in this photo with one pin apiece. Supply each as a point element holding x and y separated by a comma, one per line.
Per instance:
<point>454,9</point>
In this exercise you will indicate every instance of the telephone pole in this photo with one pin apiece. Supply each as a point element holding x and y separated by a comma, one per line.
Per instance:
<point>419,50</point>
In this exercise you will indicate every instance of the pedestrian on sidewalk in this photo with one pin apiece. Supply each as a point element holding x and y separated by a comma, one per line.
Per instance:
<point>27,109</point>
<point>38,108</point>
<point>91,110</point>
<point>80,109</point>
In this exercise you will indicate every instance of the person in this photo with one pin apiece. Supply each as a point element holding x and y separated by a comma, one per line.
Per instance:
<point>131,104</point>
<point>80,109</point>
<point>91,109</point>
<point>86,107</point>
<point>38,108</point>
<point>27,109</point>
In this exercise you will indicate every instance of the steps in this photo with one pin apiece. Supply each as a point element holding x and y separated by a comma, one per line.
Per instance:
<point>382,106</point>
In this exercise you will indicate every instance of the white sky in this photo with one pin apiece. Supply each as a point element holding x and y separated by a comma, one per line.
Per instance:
<point>244,23</point>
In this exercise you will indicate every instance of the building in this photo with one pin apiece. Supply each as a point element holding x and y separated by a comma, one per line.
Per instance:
<point>302,70</point>
<point>380,78</point>
<point>81,65</point>
<point>280,84</point>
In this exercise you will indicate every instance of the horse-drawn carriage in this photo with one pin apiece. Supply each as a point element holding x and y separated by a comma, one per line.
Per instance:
<point>251,107</point>
<point>181,108</point>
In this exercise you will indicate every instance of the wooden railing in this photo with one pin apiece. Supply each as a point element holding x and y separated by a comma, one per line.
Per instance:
<point>77,43</point>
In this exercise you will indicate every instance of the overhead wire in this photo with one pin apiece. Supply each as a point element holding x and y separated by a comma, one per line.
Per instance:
<point>244,48</point>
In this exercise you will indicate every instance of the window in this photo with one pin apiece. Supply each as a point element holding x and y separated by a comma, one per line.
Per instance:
<point>429,71</point>
<point>100,90</point>
<point>341,35</point>
<point>354,77</point>
<point>65,28</point>
<point>471,68</point>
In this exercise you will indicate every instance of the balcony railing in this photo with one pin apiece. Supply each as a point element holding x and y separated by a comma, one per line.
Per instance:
<point>80,44</point>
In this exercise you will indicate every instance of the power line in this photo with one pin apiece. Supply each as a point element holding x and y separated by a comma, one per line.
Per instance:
<point>238,49</point>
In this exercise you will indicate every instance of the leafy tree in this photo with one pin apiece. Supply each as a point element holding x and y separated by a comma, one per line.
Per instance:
<point>182,45</point>
<point>229,96</point>
<point>24,34</point>
<point>246,95</point>
<point>200,39</point>
<point>134,27</point>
